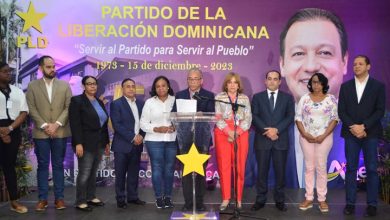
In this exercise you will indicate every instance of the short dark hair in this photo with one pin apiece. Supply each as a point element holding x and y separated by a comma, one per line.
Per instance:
<point>42,59</point>
<point>271,71</point>
<point>368,62</point>
<point>85,78</point>
<point>323,80</point>
<point>127,79</point>
<point>315,14</point>
<point>153,90</point>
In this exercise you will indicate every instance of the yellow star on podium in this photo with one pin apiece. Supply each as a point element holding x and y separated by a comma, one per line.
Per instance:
<point>194,217</point>
<point>31,18</point>
<point>193,161</point>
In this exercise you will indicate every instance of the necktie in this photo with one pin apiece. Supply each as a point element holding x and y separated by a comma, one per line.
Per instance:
<point>272,101</point>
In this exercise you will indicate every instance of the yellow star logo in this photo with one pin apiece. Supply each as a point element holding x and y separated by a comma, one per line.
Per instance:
<point>193,161</point>
<point>194,217</point>
<point>31,18</point>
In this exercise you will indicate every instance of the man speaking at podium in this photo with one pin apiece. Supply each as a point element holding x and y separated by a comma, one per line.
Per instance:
<point>205,103</point>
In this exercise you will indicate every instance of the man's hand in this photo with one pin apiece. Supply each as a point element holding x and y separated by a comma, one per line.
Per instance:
<point>358,130</point>
<point>138,139</point>
<point>107,150</point>
<point>271,133</point>
<point>51,129</point>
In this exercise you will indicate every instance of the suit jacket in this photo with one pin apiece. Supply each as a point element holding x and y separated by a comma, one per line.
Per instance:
<point>42,111</point>
<point>369,111</point>
<point>122,119</point>
<point>85,124</point>
<point>281,118</point>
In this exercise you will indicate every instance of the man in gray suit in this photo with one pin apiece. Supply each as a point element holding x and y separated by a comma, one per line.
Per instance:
<point>273,113</point>
<point>48,100</point>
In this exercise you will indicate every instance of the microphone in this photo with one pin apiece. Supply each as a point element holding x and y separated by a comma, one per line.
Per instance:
<point>197,96</point>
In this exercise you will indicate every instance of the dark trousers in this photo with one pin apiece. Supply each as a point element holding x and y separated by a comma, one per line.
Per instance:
<point>50,149</point>
<point>352,151</point>
<point>127,167</point>
<point>8,154</point>
<point>86,177</point>
<point>279,158</point>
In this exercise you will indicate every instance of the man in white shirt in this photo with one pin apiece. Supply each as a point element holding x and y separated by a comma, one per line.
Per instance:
<point>127,144</point>
<point>48,100</point>
<point>361,107</point>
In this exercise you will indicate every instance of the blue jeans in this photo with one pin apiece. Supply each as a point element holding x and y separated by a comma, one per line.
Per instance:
<point>45,149</point>
<point>86,177</point>
<point>162,157</point>
<point>352,151</point>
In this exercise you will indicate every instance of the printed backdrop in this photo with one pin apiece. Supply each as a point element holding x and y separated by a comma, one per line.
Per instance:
<point>143,39</point>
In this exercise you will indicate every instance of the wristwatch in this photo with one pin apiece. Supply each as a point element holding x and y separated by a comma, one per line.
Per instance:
<point>10,128</point>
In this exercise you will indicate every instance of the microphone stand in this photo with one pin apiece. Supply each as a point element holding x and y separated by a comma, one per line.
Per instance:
<point>237,213</point>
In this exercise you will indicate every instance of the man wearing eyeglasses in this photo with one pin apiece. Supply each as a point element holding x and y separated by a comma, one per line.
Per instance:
<point>48,100</point>
<point>205,104</point>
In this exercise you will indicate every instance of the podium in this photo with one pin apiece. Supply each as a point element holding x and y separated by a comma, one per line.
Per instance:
<point>194,128</point>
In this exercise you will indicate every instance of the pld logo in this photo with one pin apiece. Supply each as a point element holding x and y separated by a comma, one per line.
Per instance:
<point>32,19</point>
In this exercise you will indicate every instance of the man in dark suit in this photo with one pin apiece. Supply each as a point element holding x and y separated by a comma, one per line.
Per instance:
<point>273,113</point>
<point>202,131</point>
<point>127,143</point>
<point>361,107</point>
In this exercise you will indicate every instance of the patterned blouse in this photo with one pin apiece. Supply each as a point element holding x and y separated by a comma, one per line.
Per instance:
<point>316,116</point>
<point>224,112</point>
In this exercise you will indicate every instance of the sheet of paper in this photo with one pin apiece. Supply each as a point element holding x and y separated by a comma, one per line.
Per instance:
<point>186,105</point>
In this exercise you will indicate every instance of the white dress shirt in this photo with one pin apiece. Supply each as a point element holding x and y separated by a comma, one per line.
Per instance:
<point>275,95</point>
<point>134,109</point>
<point>15,104</point>
<point>360,86</point>
<point>155,114</point>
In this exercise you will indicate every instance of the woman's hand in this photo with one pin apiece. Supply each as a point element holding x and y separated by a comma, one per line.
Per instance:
<point>164,129</point>
<point>319,139</point>
<point>79,150</point>
<point>309,137</point>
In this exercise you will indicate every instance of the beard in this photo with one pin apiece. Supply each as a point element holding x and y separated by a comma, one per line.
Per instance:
<point>50,75</point>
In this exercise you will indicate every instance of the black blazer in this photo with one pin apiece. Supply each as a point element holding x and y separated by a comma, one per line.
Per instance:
<point>281,118</point>
<point>85,124</point>
<point>123,120</point>
<point>369,111</point>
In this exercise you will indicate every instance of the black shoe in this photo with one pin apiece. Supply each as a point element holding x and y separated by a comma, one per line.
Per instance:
<point>137,202</point>
<point>257,205</point>
<point>281,206</point>
<point>370,211</point>
<point>85,209</point>
<point>200,207</point>
<point>100,203</point>
<point>121,205</point>
<point>160,203</point>
<point>349,209</point>
<point>168,202</point>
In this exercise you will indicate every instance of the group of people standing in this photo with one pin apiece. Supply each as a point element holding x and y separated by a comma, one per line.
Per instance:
<point>271,112</point>
<point>312,70</point>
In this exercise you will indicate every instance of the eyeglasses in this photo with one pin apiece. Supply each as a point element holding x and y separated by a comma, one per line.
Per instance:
<point>194,79</point>
<point>315,82</point>
<point>91,84</point>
